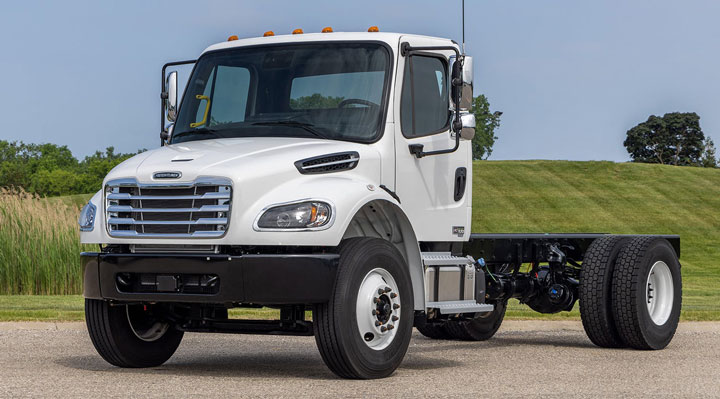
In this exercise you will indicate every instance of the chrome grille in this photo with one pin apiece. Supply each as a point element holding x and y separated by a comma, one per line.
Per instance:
<point>185,210</point>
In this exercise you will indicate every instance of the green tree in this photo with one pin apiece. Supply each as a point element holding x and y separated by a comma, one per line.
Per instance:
<point>485,125</point>
<point>709,157</point>
<point>674,139</point>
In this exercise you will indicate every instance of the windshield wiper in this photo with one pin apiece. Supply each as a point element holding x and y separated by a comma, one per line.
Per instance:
<point>308,127</point>
<point>202,130</point>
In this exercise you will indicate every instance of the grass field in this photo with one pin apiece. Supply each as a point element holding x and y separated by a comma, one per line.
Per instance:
<point>39,246</point>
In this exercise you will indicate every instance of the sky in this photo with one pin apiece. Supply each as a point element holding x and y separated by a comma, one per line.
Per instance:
<point>571,77</point>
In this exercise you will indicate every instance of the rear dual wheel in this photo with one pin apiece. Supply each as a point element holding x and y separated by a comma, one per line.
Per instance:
<point>630,292</point>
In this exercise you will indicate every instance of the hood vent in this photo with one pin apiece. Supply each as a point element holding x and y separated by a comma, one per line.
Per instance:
<point>329,163</point>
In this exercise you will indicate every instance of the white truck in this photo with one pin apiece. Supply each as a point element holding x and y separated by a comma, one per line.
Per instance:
<point>332,172</point>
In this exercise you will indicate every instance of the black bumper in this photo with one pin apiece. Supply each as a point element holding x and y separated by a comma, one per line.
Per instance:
<point>201,278</point>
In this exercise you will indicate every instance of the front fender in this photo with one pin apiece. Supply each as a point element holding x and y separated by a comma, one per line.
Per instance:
<point>346,195</point>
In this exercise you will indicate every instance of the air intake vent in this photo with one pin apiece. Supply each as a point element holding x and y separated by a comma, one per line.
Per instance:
<point>328,163</point>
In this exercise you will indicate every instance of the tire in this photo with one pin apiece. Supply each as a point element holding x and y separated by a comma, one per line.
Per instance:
<point>338,323</point>
<point>120,344</point>
<point>596,279</point>
<point>481,328</point>
<point>434,330</point>
<point>646,306</point>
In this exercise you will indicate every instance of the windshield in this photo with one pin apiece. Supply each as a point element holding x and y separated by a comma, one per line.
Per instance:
<point>331,90</point>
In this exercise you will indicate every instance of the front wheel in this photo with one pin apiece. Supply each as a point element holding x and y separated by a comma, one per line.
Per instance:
<point>364,330</point>
<point>130,335</point>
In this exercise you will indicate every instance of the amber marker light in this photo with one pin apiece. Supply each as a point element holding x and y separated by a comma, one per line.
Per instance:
<point>233,37</point>
<point>297,31</point>
<point>373,29</point>
<point>269,33</point>
<point>327,29</point>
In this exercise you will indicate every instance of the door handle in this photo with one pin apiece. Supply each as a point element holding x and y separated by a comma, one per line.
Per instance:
<point>460,183</point>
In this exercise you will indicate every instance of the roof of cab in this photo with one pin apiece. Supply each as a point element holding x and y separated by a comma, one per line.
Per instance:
<point>391,39</point>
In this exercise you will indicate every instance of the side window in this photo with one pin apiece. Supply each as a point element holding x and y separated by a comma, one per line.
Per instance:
<point>229,100</point>
<point>425,102</point>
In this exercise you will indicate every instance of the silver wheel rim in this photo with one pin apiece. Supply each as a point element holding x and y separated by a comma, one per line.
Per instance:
<point>377,309</point>
<point>659,293</point>
<point>147,332</point>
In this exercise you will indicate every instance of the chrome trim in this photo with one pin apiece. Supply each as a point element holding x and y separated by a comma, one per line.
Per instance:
<point>319,228</point>
<point>200,181</point>
<point>204,208</point>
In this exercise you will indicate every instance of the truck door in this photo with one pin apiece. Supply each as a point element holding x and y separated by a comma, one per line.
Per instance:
<point>435,191</point>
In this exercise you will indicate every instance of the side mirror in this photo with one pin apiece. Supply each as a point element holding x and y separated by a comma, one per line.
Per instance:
<point>462,82</point>
<point>171,99</point>
<point>468,126</point>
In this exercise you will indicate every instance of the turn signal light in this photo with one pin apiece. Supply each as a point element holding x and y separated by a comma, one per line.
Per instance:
<point>269,33</point>
<point>327,30</point>
<point>297,31</point>
<point>233,37</point>
<point>373,29</point>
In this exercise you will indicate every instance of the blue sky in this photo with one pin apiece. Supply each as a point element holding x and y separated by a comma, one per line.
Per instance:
<point>570,76</point>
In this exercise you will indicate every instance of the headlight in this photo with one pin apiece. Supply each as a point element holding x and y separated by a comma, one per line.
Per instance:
<point>87,217</point>
<point>301,215</point>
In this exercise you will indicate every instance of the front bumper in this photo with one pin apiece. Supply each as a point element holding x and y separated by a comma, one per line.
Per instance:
<point>210,278</point>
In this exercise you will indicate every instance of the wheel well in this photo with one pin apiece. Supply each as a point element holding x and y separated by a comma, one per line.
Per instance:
<point>383,219</point>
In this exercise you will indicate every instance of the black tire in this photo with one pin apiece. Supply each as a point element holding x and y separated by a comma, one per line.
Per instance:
<point>114,339</point>
<point>629,296</point>
<point>337,335</point>
<point>596,279</point>
<point>434,330</point>
<point>481,328</point>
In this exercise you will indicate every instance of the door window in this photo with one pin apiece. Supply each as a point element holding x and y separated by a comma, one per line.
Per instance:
<point>425,106</point>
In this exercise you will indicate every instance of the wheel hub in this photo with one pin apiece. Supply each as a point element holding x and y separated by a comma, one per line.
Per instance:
<point>378,308</point>
<point>659,293</point>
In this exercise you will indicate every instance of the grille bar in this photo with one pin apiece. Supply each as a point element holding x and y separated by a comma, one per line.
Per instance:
<point>131,221</point>
<point>127,196</point>
<point>204,208</point>
<point>198,209</point>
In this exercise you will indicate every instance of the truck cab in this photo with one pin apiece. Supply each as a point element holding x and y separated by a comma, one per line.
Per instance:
<point>325,171</point>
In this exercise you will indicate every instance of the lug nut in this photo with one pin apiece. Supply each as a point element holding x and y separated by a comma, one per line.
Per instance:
<point>388,289</point>
<point>393,295</point>
<point>383,328</point>
<point>376,300</point>
<point>374,312</point>
<point>395,318</point>
<point>378,323</point>
<point>396,306</point>
<point>381,291</point>
<point>390,327</point>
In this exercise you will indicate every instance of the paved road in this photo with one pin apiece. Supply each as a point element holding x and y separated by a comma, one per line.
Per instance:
<point>526,358</point>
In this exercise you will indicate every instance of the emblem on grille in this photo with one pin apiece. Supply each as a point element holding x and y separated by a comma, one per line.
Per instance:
<point>167,175</point>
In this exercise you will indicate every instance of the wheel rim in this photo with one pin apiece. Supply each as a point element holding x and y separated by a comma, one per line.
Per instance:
<point>659,293</point>
<point>144,325</point>
<point>377,310</point>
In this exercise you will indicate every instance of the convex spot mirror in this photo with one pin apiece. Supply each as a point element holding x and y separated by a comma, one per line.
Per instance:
<point>462,82</point>
<point>171,99</point>
<point>468,126</point>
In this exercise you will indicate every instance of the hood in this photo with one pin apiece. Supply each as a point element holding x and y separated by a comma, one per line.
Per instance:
<point>230,157</point>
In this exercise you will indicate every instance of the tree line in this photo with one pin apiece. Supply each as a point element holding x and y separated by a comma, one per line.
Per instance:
<point>49,169</point>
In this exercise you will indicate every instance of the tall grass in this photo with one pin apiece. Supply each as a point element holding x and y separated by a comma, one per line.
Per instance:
<point>39,245</point>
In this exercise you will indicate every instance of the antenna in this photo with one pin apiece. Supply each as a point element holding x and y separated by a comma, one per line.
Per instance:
<point>463,26</point>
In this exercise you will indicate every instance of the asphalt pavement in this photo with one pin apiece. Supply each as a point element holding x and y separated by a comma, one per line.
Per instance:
<point>525,358</point>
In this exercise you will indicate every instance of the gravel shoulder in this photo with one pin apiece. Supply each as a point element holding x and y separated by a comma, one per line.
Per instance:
<point>526,358</point>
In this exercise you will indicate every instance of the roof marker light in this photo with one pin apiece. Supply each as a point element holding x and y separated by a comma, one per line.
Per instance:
<point>327,29</point>
<point>269,33</point>
<point>297,31</point>
<point>233,37</point>
<point>373,29</point>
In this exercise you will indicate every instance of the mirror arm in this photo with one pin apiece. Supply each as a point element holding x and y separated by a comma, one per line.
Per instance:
<point>164,94</point>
